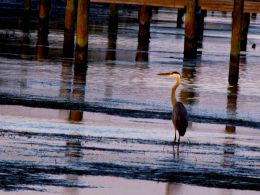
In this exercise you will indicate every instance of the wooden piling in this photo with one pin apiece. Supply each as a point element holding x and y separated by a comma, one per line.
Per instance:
<point>43,23</point>
<point>69,27</point>
<point>244,31</point>
<point>190,42</point>
<point>254,15</point>
<point>112,32</point>
<point>26,15</point>
<point>180,14</point>
<point>142,51</point>
<point>144,18</point>
<point>200,26</point>
<point>81,54</point>
<point>235,41</point>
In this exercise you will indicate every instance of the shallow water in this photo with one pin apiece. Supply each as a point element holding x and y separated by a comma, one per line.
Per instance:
<point>124,83</point>
<point>121,132</point>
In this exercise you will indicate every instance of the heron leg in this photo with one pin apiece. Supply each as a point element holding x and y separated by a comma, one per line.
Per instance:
<point>174,143</point>
<point>175,136</point>
<point>179,140</point>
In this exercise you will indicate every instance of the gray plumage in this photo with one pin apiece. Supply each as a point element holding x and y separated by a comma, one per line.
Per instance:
<point>180,118</point>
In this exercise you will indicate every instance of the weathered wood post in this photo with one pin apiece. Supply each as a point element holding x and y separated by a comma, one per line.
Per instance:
<point>244,31</point>
<point>235,41</point>
<point>144,18</point>
<point>81,54</point>
<point>44,8</point>
<point>112,32</point>
<point>69,27</point>
<point>180,14</point>
<point>190,42</point>
<point>26,15</point>
<point>43,23</point>
<point>200,26</point>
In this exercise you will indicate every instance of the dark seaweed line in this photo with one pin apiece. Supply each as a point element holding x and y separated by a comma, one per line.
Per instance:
<point>34,174</point>
<point>96,139</point>
<point>37,101</point>
<point>15,175</point>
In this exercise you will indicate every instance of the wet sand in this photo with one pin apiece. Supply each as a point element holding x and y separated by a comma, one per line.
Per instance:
<point>118,186</point>
<point>44,151</point>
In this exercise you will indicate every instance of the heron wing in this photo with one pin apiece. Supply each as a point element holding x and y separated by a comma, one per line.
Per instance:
<point>180,118</point>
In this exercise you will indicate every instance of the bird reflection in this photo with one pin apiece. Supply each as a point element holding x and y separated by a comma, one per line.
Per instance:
<point>179,113</point>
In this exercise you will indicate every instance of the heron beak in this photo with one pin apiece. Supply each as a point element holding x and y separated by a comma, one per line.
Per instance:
<point>165,74</point>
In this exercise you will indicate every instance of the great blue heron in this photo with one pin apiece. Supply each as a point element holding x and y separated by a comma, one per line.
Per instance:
<point>179,112</point>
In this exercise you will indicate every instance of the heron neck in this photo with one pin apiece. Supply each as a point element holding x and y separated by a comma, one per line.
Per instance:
<point>173,97</point>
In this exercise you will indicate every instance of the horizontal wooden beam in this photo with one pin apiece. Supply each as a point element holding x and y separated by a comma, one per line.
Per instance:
<point>156,3</point>
<point>251,6</point>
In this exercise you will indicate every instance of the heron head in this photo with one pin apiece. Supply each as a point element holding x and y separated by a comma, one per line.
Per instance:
<point>170,74</point>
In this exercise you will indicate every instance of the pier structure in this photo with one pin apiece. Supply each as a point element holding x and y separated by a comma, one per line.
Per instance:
<point>77,13</point>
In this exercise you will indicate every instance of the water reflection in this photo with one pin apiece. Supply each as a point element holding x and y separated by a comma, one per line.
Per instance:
<point>78,92</point>
<point>142,54</point>
<point>25,54</point>
<point>232,95</point>
<point>25,45</point>
<point>229,142</point>
<point>173,188</point>
<point>229,149</point>
<point>112,33</point>
<point>74,155</point>
<point>41,49</point>
<point>189,95</point>
<point>75,91</point>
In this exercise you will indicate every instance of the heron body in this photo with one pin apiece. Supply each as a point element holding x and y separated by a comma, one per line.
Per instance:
<point>179,112</point>
<point>180,118</point>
